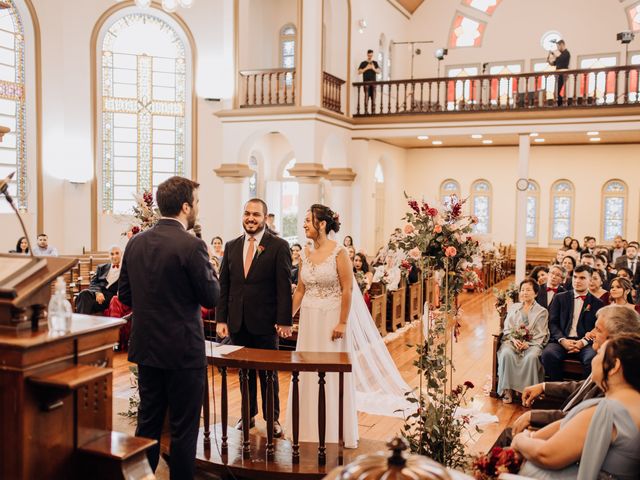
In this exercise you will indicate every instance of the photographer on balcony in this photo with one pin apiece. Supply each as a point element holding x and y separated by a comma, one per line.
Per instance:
<point>560,59</point>
<point>369,68</point>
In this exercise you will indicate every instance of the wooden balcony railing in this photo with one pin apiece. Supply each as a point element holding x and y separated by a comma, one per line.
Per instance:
<point>611,86</point>
<point>267,88</point>
<point>332,92</point>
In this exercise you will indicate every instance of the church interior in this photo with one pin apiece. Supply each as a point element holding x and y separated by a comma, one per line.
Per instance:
<point>358,105</point>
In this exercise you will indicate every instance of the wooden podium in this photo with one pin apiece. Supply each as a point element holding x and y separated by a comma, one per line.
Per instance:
<point>56,391</point>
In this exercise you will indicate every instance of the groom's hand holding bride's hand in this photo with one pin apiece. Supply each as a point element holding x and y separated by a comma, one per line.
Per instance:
<point>338,331</point>
<point>283,330</point>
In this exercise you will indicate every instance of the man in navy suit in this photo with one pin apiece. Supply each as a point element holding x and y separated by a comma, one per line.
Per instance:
<point>572,315</point>
<point>554,285</point>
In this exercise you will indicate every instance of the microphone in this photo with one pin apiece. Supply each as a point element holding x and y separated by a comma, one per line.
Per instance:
<point>4,184</point>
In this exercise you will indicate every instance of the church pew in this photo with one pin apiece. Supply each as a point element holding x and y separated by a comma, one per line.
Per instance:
<point>414,302</point>
<point>396,303</point>
<point>378,296</point>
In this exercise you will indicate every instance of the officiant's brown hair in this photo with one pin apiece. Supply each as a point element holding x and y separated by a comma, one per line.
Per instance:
<point>173,193</point>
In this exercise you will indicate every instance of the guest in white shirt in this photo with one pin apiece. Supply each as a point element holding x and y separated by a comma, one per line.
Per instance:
<point>43,249</point>
<point>554,285</point>
<point>630,259</point>
<point>618,249</point>
<point>103,287</point>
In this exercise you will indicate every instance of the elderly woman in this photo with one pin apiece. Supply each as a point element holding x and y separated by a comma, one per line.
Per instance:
<point>525,334</point>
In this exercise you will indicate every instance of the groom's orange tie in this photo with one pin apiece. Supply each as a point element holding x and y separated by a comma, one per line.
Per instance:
<point>249,259</point>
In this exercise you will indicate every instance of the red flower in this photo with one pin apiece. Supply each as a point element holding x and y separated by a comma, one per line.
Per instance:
<point>135,230</point>
<point>468,384</point>
<point>432,212</point>
<point>414,206</point>
<point>406,265</point>
<point>456,209</point>
<point>260,250</point>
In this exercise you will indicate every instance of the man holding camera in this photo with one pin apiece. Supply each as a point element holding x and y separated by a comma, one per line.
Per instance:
<point>561,60</point>
<point>369,69</point>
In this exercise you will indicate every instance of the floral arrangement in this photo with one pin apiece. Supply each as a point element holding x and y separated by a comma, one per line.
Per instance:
<point>521,334</point>
<point>362,281</point>
<point>503,297</point>
<point>145,214</point>
<point>497,461</point>
<point>134,399</point>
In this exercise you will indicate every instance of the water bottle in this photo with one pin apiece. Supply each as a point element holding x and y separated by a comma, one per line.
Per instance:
<point>59,314</point>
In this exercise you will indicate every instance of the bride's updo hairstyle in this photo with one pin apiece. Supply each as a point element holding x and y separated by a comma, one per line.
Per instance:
<point>321,213</point>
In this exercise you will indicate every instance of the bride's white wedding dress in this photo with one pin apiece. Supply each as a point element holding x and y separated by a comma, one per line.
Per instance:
<point>319,314</point>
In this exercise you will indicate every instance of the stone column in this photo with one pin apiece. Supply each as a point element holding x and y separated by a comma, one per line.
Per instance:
<point>236,192</point>
<point>308,176</point>
<point>521,207</point>
<point>341,184</point>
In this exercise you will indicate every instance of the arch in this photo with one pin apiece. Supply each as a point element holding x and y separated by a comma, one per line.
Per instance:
<point>615,195</point>
<point>481,203</point>
<point>562,210</point>
<point>532,210</point>
<point>121,9</point>
<point>448,188</point>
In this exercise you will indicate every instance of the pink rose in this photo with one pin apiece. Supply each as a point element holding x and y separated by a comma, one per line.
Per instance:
<point>450,251</point>
<point>437,229</point>
<point>474,219</point>
<point>409,229</point>
<point>415,253</point>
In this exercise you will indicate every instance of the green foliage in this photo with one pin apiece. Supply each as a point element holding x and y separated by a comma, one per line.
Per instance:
<point>134,399</point>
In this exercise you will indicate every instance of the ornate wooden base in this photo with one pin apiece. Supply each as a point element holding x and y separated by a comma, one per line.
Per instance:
<point>209,459</point>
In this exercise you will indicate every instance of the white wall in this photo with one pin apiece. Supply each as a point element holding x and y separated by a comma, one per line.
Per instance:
<point>588,167</point>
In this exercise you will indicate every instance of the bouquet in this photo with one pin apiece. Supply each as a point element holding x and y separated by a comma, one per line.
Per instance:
<point>362,281</point>
<point>499,460</point>
<point>522,334</point>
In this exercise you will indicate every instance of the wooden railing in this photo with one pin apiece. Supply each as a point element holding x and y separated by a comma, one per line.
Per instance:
<point>611,86</point>
<point>332,92</point>
<point>267,88</point>
<point>272,361</point>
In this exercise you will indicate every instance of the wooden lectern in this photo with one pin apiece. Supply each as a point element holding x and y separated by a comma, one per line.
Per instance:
<point>56,390</point>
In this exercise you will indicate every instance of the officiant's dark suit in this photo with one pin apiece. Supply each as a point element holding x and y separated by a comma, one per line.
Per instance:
<point>254,304</point>
<point>166,277</point>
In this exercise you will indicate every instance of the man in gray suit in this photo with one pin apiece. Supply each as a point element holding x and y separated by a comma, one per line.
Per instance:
<point>611,321</point>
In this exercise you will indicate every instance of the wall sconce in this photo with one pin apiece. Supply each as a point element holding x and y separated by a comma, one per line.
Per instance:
<point>362,25</point>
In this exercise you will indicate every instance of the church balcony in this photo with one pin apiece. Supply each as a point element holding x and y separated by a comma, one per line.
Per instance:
<point>535,91</point>
<point>267,88</point>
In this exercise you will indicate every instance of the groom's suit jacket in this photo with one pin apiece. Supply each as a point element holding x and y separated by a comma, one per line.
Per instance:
<point>263,298</point>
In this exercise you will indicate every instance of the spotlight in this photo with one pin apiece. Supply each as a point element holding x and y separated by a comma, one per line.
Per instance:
<point>534,134</point>
<point>437,142</point>
<point>625,37</point>
<point>487,142</point>
<point>539,140</point>
<point>593,134</point>
<point>423,137</point>
<point>476,136</point>
<point>594,139</point>
<point>441,53</point>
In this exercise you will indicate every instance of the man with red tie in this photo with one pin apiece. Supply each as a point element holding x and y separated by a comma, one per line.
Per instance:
<point>554,285</point>
<point>103,286</point>
<point>572,314</point>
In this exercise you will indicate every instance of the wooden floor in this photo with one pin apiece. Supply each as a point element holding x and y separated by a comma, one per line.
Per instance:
<point>472,358</point>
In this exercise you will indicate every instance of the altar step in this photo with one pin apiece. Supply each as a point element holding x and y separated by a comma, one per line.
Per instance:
<point>210,460</point>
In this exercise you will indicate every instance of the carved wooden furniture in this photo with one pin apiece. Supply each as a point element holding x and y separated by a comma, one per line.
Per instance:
<point>396,307</point>
<point>414,301</point>
<point>378,296</point>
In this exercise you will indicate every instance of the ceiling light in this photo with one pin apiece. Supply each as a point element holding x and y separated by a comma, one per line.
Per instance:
<point>593,134</point>
<point>476,135</point>
<point>594,139</point>
<point>487,142</point>
<point>533,134</point>
<point>539,140</point>
<point>423,137</point>
<point>436,142</point>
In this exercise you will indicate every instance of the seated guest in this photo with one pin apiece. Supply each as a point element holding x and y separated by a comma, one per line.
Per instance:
<point>21,247</point>
<point>624,272</point>
<point>596,288</point>
<point>296,248</point>
<point>362,273</point>
<point>572,315</point>
<point>600,437</point>
<point>588,259</point>
<point>554,285</point>
<point>347,242</point>
<point>602,264</point>
<point>43,249</point>
<point>525,334</point>
<point>217,248</point>
<point>566,243</point>
<point>590,245</point>
<point>569,264</point>
<point>620,293</point>
<point>352,253</point>
<point>617,250</point>
<point>271,224</point>
<point>540,274</point>
<point>629,259</point>
<point>103,287</point>
<point>612,321</point>
<point>559,257</point>
<point>574,248</point>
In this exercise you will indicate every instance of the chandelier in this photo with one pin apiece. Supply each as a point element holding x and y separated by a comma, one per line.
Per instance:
<point>167,5</point>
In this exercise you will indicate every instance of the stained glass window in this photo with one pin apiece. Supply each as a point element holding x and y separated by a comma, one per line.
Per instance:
<point>533,200</point>
<point>461,89</point>
<point>503,90</point>
<point>144,105</point>
<point>288,49</point>
<point>633,14</point>
<point>481,205</point>
<point>486,6</point>
<point>289,204</point>
<point>13,154</point>
<point>466,32</point>
<point>253,179</point>
<point>562,210</point>
<point>614,199</point>
<point>448,188</point>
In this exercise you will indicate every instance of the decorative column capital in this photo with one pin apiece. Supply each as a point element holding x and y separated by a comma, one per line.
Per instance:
<point>233,172</point>
<point>308,171</point>
<point>341,176</point>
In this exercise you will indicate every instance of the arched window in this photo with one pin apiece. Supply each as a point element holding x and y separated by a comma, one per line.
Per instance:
<point>533,209</point>
<point>13,109</point>
<point>288,46</point>
<point>614,203</point>
<point>448,188</point>
<point>379,174</point>
<point>145,89</point>
<point>562,193</point>
<point>289,204</point>
<point>481,205</point>
<point>253,179</point>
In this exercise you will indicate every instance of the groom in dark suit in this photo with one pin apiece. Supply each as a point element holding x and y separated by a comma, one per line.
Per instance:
<point>166,277</point>
<point>255,296</point>
<point>572,315</point>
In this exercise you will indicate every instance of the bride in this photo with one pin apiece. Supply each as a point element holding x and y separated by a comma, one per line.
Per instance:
<point>335,318</point>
